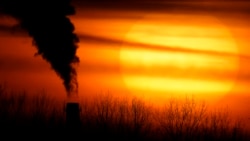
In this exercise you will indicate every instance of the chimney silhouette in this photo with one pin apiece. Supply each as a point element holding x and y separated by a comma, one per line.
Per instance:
<point>73,116</point>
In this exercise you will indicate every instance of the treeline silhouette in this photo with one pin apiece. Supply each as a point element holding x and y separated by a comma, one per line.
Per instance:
<point>112,118</point>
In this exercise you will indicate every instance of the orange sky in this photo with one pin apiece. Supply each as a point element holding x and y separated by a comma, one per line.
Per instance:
<point>153,54</point>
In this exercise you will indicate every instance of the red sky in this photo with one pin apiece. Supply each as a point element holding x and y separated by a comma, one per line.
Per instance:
<point>151,49</point>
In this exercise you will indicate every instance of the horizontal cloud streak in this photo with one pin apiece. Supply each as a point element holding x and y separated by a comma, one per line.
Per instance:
<point>165,72</point>
<point>225,6</point>
<point>104,40</point>
<point>14,31</point>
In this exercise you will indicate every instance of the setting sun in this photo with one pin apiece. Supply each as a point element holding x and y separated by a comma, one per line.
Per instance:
<point>184,59</point>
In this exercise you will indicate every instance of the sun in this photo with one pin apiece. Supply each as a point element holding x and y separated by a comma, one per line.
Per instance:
<point>167,56</point>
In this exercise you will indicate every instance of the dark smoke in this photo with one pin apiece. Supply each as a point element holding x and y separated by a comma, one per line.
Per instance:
<point>53,34</point>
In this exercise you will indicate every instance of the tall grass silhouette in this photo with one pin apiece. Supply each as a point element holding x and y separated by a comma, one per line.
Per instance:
<point>114,118</point>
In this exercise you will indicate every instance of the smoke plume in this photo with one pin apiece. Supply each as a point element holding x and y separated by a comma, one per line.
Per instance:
<point>53,34</point>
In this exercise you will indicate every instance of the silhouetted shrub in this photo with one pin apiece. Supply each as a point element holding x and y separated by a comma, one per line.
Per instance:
<point>116,118</point>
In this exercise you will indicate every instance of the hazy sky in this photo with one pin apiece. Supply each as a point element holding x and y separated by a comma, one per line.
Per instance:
<point>152,48</point>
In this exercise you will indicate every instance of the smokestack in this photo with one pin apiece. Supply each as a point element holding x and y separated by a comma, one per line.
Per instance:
<point>73,116</point>
<point>53,34</point>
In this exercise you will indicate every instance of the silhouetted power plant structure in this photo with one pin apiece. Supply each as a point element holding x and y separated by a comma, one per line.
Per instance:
<point>73,115</point>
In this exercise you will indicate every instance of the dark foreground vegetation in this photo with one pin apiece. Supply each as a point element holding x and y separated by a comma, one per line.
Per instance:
<point>111,118</point>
